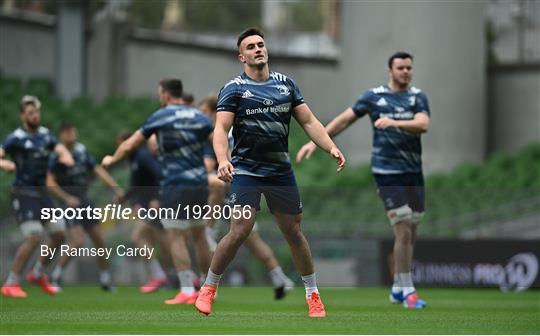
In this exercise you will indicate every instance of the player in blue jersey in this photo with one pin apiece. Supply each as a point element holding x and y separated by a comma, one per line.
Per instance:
<point>399,114</point>
<point>144,193</point>
<point>30,147</point>
<point>182,131</point>
<point>70,186</point>
<point>281,282</point>
<point>260,104</point>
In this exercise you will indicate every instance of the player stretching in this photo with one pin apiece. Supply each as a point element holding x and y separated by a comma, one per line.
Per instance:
<point>399,114</point>
<point>282,284</point>
<point>259,104</point>
<point>182,132</point>
<point>30,147</point>
<point>70,186</point>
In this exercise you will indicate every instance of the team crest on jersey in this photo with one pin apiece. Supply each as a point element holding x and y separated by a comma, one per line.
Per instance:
<point>283,90</point>
<point>268,102</point>
<point>28,144</point>
<point>412,100</point>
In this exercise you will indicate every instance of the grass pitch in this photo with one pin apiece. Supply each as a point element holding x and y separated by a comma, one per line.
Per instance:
<point>88,310</point>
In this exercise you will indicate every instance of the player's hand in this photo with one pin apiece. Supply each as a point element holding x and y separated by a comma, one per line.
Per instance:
<point>8,166</point>
<point>107,161</point>
<point>66,160</point>
<point>119,195</point>
<point>72,202</point>
<point>338,157</point>
<point>225,171</point>
<point>384,122</point>
<point>306,151</point>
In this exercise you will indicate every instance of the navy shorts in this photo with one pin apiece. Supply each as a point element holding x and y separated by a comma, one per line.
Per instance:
<point>397,190</point>
<point>28,202</point>
<point>142,196</point>
<point>178,198</point>
<point>281,193</point>
<point>85,220</point>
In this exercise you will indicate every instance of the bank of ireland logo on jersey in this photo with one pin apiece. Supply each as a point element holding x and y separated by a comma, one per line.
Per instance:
<point>283,90</point>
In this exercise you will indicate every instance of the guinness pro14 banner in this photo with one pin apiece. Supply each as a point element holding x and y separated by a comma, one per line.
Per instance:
<point>511,265</point>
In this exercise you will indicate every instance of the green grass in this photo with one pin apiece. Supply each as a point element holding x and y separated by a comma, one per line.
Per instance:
<point>253,311</point>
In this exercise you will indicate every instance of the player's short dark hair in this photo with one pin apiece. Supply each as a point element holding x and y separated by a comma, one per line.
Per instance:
<point>400,55</point>
<point>65,125</point>
<point>173,86</point>
<point>211,101</point>
<point>248,32</point>
<point>188,98</point>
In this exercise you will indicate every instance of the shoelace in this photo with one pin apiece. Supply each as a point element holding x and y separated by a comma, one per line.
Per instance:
<point>316,303</point>
<point>207,295</point>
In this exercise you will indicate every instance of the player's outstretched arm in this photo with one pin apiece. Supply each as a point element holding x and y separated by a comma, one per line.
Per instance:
<point>315,130</point>
<point>224,121</point>
<point>334,127</point>
<point>6,165</point>
<point>110,182</point>
<point>124,149</point>
<point>64,155</point>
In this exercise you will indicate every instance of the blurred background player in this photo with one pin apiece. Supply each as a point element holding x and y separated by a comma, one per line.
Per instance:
<point>70,186</point>
<point>182,132</point>
<point>217,192</point>
<point>399,114</point>
<point>30,147</point>
<point>260,104</point>
<point>144,193</point>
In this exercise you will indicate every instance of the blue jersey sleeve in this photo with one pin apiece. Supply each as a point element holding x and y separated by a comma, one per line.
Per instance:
<point>90,161</point>
<point>53,141</point>
<point>228,98</point>
<point>422,104</point>
<point>297,97</point>
<point>150,126</point>
<point>362,106</point>
<point>9,144</point>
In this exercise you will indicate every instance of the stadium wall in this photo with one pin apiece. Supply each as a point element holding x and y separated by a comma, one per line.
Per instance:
<point>513,106</point>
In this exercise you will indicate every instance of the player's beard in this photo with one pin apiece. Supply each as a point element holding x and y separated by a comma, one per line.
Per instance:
<point>32,126</point>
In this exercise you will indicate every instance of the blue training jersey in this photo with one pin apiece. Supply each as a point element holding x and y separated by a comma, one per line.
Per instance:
<point>75,179</point>
<point>263,113</point>
<point>30,152</point>
<point>182,132</point>
<point>395,151</point>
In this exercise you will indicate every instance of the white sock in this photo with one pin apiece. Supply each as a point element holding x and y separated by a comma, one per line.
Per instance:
<point>310,283</point>
<point>277,276</point>
<point>156,270</point>
<point>405,279</point>
<point>105,277</point>
<point>13,278</point>
<point>186,282</point>
<point>212,279</point>
<point>57,273</point>
<point>202,278</point>
<point>37,269</point>
<point>396,286</point>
